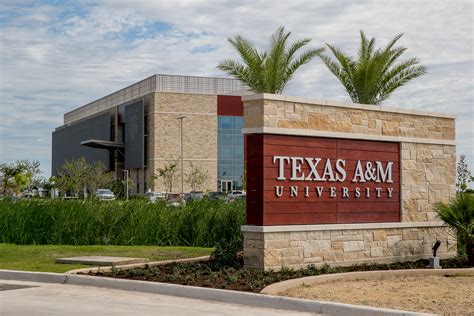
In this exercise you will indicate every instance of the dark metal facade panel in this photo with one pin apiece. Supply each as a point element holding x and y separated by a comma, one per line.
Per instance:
<point>134,136</point>
<point>67,141</point>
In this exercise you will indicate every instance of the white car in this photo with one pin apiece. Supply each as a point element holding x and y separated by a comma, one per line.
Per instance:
<point>236,195</point>
<point>105,195</point>
<point>154,196</point>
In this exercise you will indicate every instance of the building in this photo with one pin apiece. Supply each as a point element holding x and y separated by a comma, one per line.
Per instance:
<point>138,128</point>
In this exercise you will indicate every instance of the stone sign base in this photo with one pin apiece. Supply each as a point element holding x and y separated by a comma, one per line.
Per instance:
<point>296,246</point>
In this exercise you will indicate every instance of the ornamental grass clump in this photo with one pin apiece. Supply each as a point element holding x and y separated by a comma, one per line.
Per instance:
<point>200,223</point>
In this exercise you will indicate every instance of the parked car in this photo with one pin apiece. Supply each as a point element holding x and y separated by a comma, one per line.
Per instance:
<point>175,199</point>
<point>155,196</point>
<point>216,196</point>
<point>105,195</point>
<point>194,195</point>
<point>236,195</point>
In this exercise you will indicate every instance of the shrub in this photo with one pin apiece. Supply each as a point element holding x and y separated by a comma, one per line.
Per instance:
<point>200,223</point>
<point>459,216</point>
<point>228,253</point>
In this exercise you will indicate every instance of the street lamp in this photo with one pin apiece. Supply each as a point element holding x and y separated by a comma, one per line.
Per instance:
<point>126,183</point>
<point>181,118</point>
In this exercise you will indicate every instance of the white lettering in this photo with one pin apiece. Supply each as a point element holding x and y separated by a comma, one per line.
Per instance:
<point>389,191</point>
<point>278,190</point>
<point>367,192</point>
<point>379,191</point>
<point>341,172</point>
<point>306,191</point>
<point>359,173</point>
<point>328,171</point>
<point>281,165</point>
<point>313,163</point>
<point>357,192</point>
<point>333,191</point>
<point>384,175</point>
<point>345,192</point>
<point>319,191</point>
<point>296,168</point>
<point>293,191</point>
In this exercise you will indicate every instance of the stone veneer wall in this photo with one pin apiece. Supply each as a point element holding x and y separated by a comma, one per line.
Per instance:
<point>343,246</point>
<point>200,136</point>
<point>428,163</point>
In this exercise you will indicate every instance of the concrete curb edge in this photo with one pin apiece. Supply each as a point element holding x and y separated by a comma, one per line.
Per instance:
<point>275,288</point>
<point>137,265</point>
<point>227,296</point>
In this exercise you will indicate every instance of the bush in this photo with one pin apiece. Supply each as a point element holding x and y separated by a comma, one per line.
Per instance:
<point>199,223</point>
<point>228,253</point>
<point>458,214</point>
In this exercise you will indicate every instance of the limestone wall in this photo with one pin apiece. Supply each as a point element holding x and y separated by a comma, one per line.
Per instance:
<point>428,177</point>
<point>337,245</point>
<point>428,158</point>
<point>427,165</point>
<point>297,113</point>
<point>200,136</point>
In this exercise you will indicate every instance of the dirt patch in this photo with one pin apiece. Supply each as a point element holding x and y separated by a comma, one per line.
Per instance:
<point>447,295</point>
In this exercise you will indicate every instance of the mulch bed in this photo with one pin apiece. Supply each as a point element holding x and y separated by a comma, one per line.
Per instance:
<point>239,278</point>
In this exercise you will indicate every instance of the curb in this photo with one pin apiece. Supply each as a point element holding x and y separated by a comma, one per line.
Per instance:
<point>137,265</point>
<point>276,288</point>
<point>226,296</point>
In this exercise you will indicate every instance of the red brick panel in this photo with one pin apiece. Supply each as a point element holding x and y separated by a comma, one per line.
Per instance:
<point>264,207</point>
<point>230,105</point>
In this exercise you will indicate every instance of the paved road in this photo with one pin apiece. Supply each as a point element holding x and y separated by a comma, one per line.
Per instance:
<point>25,298</point>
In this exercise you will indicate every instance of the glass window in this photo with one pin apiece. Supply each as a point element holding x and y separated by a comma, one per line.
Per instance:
<point>226,153</point>
<point>230,151</point>
<point>226,122</point>
<point>226,140</point>
<point>239,123</point>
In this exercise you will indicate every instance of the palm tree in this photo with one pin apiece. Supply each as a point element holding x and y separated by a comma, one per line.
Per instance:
<point>375,74</point>
<point>459,215</point>
<point>268,71</point>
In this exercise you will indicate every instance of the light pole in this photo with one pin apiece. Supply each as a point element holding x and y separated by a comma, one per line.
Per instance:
<point>181,118</point>
<point>126,184</point>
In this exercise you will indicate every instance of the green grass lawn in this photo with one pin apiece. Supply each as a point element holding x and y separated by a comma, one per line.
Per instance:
<point>42,257</point>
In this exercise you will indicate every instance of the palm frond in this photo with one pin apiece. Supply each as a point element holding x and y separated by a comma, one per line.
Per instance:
<point>375,74</point>
<point>270,70</point>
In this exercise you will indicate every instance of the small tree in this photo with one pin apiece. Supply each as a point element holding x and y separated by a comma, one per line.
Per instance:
<point>463,174</point>
<point>17,176</point>
<point>459,215</point>
<point>96,176</point>
<point>80,176</point>
<point>21,180</point>
<point>72,176</point>
<point>196,177</point>
<point>167,173</point>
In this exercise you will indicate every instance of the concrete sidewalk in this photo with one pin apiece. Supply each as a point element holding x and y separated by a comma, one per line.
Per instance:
<point>65,299</point>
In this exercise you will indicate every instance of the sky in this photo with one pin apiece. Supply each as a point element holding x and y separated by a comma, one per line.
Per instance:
<point>58,55</point>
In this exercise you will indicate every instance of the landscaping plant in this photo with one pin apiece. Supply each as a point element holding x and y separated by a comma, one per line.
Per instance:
<point>459,215</point>
<point>241,278</point>
<point>374,74</point>
<point>136,222</point>
<point>268,71</point>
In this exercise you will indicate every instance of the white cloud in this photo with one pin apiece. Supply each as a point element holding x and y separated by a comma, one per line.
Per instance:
<point>57,57</point>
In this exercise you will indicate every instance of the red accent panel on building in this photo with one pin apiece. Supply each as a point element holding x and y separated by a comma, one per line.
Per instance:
<point>354,202</point>
<point>230,105</point>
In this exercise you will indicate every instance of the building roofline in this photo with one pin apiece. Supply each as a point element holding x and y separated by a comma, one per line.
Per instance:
<point>160,83</point>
